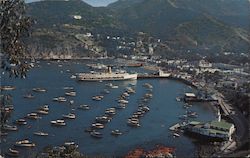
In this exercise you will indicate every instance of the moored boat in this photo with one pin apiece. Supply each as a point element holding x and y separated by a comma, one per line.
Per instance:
<point>116,132</point>
<point>7,127</point>
<point>97,97</point>
<point>69,116</point>
<point>103,119</point>
<point>7,88</point>
<point>70,143</point>
<point>39,89</point>
<point>98,125</point>
<point>58,123</point>
<point>29,96</point>
<point>13,152</point>
<point>33,116</point>
<point>44,108</point>
<point>84,107</point>
<point>25,143</point>
<point>21,122</point>
<point>122,101</point>
<point>72,93</point>
<point>40,133</point>
<point>60,99</point>
<point>96,134</point>
<point>109,75</point>
<point>43,112</point>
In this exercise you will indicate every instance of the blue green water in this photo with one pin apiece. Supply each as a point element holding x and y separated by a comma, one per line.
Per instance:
<point>164,112</point>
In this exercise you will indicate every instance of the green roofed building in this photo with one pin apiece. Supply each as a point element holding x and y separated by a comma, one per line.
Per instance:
<point>214,129</point>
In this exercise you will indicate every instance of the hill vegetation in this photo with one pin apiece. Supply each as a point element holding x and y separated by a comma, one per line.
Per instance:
<point>189,24</point>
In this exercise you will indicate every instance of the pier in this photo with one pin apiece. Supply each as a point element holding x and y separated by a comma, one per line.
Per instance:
<point>141,76</point>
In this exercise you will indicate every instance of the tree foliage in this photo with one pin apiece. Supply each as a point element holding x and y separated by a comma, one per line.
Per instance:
<point>14,25</point>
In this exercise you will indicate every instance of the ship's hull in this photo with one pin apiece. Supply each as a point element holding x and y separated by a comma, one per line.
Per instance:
<point>106,77</point>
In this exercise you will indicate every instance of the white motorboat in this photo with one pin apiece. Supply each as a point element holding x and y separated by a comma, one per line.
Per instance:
<point>69,116</point>
<point>84,107</point>
<point>40,133</point>
<point>7,127</point>
<point>25,143</point>
<point>21,122</point>
<point>98,125</point>
<point>58,123</point>
<point>33,116</point>
<point>72,93</point>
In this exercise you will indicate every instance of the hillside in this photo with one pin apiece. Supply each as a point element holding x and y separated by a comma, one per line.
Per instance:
<point>58,22</point>
<point>215,25</point>
<point>199,23</point>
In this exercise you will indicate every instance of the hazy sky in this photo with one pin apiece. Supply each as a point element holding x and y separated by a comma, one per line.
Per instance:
<point>95,3</point>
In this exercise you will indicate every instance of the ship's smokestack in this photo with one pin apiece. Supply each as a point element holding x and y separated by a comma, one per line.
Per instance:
<point>109,69</point>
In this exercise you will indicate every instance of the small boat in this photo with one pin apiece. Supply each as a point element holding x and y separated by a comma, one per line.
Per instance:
<point>39,133</point>
<point>116,132</point>
<point>39,90</point>
<point>121,106</point>
<point>25,143</point>
<point>73,76</point>
<point>176,135</point>
<point>60,99</point>
<point>71,102</point>
<point>43,112</point>
<point>72,93</point>
<point>98,97</point>
<point>148,95</point>
<point>3,133</point>
<point>109,85</point>
<point>7,88</point>
<point>147,85</point>
<point>84,107</point>
<point>130,90</point>
<point>70,143</point>
<point>9,107</point>
<point>114,87</point>
<point>44,108</point>
<point>58,123</point>
<point>123,101</point>
<point>125,94</point>
<point>29,96</point>
<point>96,134</point>
<point>9,127</point>
<point>69,116</point>
<point>68,88</point>
<point>33,116</point>
<point>98,125</point>
<point>178,99</point>
<point>21,122</point>
<point>13,152</point>
<point>103,119</point>
<point>145,108</point>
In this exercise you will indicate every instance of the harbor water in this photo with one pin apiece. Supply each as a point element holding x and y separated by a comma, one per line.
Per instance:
<point>154,130</point>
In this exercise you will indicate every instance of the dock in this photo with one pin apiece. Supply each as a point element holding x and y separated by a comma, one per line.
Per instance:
<point>140,76</point>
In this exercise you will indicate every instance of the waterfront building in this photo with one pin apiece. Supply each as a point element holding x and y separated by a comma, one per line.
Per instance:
<point>164,74</point>
<point>216,130</point>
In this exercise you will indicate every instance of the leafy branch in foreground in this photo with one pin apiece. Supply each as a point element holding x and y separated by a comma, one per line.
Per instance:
<point>14,25</point>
